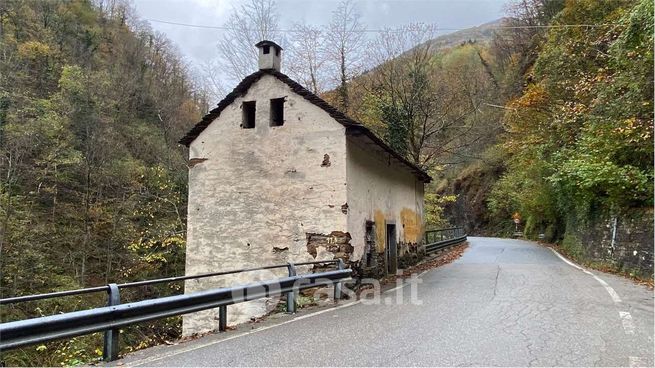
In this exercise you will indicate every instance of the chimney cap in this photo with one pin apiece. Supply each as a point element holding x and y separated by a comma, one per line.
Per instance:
<point>268,43</point>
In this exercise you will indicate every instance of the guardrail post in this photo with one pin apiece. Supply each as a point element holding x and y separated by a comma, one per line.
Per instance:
<point>337,286</point>
<point>291,295</point>
<point>110,349</point>
<point>222,318</point>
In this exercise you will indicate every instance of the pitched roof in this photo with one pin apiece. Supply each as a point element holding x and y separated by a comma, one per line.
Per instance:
<point>269,43</point>
<point>351,125</point>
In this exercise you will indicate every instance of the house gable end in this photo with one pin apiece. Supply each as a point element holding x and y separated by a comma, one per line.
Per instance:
<point>352,127</point>
<point>300,117</point>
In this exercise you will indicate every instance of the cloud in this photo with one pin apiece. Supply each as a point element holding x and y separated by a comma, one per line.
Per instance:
<point>198,45</point>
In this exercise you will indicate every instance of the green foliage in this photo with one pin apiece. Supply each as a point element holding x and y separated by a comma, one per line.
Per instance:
<point>580,136</point>
<point>572,247</point>
<point>397,132</point>
<point>429,104</point>
<point>434,208</point>
<point>93,186</point>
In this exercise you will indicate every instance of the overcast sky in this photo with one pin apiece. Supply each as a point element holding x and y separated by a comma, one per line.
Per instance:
<point>198,44</point>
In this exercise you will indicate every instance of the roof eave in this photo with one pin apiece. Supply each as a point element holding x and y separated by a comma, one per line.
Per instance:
<point>341,118</point>
<point>416,170</point>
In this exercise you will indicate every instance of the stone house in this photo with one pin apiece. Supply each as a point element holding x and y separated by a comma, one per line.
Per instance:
<point>276,174</point>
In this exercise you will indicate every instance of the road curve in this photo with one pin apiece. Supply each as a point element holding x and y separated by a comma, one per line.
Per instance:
<point>504,303</point>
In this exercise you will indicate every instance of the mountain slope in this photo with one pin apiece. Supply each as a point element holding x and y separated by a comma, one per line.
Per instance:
<point>93,183</point>
<point>482,33</point>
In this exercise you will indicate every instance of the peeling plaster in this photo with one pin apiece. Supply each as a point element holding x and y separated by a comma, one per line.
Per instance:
<point>412,225</point>
<point>344,208</point>
<point>240,195</point>
<point>195,161</point>
<point>382,192</point>
<point>259,197</point>
<point>326,161</point>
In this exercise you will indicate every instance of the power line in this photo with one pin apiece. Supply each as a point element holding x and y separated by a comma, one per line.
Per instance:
<point>275,30</point>
<point>223,28</point>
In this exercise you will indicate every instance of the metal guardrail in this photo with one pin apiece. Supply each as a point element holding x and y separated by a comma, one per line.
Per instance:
<point>115,315</point>
<point>442,238</point>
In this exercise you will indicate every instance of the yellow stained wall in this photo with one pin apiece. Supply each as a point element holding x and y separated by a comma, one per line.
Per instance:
<point>412,225</point>
<point>382,190</point>
<point>380,230</point>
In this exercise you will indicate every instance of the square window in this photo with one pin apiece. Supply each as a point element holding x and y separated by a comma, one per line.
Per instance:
<point>267,49</point>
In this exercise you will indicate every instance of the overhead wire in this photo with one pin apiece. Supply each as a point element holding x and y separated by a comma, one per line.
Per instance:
<point>225,28</point>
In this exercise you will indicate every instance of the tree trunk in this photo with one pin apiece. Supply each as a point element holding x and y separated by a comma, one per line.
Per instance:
<point>343,89</point>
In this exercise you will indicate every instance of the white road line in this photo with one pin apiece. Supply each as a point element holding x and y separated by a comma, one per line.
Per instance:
<point>566,260</point>
<point>627,322</point>
<point>615,297</point>
<point>610,290</point>
<point>196,347</point>
<point>637,362</point>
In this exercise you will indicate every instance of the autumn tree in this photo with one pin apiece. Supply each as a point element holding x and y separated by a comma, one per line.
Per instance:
<point>580,135</point>
<point>93,186</point>
<point>428,104</point>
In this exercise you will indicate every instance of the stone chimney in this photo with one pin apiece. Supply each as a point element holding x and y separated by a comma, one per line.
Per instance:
<point>270,55</point>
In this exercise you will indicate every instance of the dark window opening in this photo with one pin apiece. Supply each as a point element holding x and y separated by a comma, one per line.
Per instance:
<point>248,115</point>
<point>370,244</point>
<point>277,52</point>
<point>267,49</point>
<point>392,249</point>
<point>277,111</point>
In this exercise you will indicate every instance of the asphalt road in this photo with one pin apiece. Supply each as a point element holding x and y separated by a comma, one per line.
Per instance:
<point>504,303</point>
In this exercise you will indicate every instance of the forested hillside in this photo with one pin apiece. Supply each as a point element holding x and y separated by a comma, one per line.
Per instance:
<point>549,119</point>
<point>93,186</point>
<point>433,100</point>
<point>579,139</point>
<point>576,156</point>
<point>547,114</point>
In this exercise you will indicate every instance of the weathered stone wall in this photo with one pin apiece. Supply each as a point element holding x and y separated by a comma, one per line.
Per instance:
<point>382,191</point>
<point>264,196</point>
<point>632,247</point>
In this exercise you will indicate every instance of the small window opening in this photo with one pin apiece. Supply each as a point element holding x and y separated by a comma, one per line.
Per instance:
<point>248,115</point>
<point>267,49</point>
<point>277,52</point>
<point>277,111</point>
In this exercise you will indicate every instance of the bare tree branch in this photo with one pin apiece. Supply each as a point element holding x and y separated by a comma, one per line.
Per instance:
<point>248,24</point>
<point>345,44</point>
<point>306,57</point>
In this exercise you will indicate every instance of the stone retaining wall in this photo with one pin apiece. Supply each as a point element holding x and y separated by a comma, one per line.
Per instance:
<point>624,241</point>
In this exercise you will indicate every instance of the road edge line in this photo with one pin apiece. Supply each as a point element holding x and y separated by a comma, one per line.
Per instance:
<point>613,294</point>
<point>196,347</point>
<point>182,351</point>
